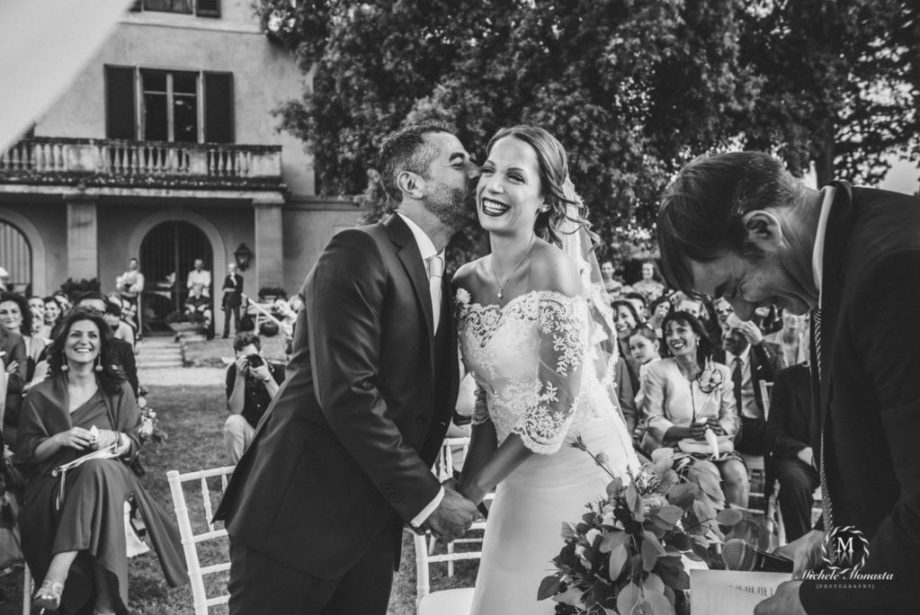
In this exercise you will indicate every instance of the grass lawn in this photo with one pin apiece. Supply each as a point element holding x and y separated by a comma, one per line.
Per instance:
<point>193,416</point>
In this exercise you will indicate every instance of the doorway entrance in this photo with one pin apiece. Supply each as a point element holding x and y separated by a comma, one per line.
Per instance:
<point>16,258</point>
<point>168,252</point>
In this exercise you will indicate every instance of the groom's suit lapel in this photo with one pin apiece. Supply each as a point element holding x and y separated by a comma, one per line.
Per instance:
<point>411,259</point>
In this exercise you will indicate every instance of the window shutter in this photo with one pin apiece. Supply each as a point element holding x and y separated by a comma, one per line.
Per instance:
<point>208,8</point>
<point>218,111</point>
<point>119,103</point>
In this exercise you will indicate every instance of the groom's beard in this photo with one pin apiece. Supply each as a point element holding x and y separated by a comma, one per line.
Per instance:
<point>452,206</point>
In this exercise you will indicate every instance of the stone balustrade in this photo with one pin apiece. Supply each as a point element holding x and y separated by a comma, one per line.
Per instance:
<point>115,162</point>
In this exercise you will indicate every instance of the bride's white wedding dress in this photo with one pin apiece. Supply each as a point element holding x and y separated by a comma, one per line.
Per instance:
<point>530,358</point>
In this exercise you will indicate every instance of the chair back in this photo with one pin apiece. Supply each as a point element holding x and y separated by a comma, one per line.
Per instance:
<point>195,517</point>
<point>450,458</point>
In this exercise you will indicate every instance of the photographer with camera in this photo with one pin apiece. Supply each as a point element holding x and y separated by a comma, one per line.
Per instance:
<point>248,396</point>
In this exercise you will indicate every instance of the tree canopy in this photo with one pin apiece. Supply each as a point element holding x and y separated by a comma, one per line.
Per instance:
<point>633,89</point>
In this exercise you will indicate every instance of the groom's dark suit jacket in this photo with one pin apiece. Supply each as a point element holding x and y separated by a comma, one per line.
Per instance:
<point>345,450</point>
<point>869,396</point>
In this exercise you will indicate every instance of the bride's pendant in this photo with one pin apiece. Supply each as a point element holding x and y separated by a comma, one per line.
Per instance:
<point>499,294</point>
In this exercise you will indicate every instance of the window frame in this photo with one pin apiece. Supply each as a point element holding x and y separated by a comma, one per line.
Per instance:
<point>138,7</point>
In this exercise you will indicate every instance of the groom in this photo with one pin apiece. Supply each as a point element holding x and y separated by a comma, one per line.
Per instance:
<point>341,461</point>
<point>738,226</point>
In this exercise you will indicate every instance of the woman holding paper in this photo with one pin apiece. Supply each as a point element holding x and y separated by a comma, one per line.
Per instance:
<point>689,403</point>
<point>77,429</point>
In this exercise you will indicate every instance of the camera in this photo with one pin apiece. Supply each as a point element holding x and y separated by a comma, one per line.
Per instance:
<point>254,360</point>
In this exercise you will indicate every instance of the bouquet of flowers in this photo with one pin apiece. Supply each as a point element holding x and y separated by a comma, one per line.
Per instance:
<point>150,429</point>
<point>626,555</point>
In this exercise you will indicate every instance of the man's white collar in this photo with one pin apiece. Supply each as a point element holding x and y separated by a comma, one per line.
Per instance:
<point>817,255</point>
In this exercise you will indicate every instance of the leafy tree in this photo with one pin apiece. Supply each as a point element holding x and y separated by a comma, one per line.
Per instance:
<point>841,83</point>
<point>632,88</point>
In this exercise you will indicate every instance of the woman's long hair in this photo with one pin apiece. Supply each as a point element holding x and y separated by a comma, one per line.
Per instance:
<point>110,376</point>
<point>704,347</point>
<point>565,206</point>
<point>26,327</point>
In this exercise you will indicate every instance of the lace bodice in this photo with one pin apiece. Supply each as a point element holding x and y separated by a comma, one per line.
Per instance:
<point>528,358</point>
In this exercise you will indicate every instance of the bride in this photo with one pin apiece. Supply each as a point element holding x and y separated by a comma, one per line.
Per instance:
<point>528,336</point>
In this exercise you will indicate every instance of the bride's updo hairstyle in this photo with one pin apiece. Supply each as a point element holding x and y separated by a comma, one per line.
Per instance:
<point>565,208</point>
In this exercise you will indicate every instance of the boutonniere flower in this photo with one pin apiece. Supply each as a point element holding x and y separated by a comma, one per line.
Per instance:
<point>463,296</point>
<point>710,378</point>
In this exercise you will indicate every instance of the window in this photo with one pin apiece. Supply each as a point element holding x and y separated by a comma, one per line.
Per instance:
<point>170,106</point>
<point>202,8</point>
<point>175,106</point>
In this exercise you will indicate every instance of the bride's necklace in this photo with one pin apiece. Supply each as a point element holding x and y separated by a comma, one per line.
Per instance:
<point>501,284</point>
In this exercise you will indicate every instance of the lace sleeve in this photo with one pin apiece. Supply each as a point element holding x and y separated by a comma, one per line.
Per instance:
<point>546,419</point>
<point>481,407</point>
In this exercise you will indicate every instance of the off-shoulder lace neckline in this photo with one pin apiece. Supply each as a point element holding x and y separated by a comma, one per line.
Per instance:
<point>539,294</point>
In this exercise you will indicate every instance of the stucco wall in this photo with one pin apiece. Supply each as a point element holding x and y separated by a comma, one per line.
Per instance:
<point>264,76</point>
<point>307,230</point>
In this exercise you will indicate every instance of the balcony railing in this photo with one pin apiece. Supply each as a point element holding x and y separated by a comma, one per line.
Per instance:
<point>148,164</point>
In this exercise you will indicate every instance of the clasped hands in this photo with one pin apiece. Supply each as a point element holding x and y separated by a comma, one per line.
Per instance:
<point>453,516</point>
<point>698,429</point>
<point>81,439</point>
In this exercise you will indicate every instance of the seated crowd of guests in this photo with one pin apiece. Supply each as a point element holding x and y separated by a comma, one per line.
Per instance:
<point>690,376</point>
<point>71,418</point>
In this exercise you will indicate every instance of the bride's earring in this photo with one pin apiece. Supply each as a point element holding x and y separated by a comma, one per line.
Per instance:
<point>98,366</point>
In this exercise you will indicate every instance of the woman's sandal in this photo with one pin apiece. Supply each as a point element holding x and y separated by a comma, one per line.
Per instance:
<point>48,598</point>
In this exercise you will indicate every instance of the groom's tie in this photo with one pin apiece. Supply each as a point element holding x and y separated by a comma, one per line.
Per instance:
<point>435,273</point>
<point>827,509</point>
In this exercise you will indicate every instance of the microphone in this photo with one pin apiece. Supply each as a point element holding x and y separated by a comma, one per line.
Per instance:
<point>739,555</point>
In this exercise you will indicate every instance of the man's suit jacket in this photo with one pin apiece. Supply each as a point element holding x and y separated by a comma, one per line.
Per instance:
<point>790,425</point>
<point>869,395</point>
<point>344,451</point>
<point>124,354</point>
<point>762,364</point>
<point>234,297</point>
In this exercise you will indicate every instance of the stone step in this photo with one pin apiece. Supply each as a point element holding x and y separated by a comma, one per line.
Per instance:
<point>160,364</point>
<point>159,352</point>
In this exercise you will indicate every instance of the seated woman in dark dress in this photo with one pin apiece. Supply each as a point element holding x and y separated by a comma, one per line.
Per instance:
<point>72,524</point>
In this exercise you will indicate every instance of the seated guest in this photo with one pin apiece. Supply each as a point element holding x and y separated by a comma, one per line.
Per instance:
<point>252,382</point>
<point>751,362</point>
<point>626,376</point>
<point>123,352</point>
<point>687,394</point>
<point>53,315</point>
<point>14,363</point>
<point>723,309</point>
<point>37,307</point>
<point>789,433</point>
<point>790,344</point>
<point>73,533</point>
<point>612,285</point>
<point>639,302</point>
<point>120,329</point>
<point>643,346</point>
<point>659,308</point>
<point>16,316</point>
<point>649,286</point>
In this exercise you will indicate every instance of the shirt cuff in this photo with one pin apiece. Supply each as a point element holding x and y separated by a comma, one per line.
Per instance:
<point>426,512</point>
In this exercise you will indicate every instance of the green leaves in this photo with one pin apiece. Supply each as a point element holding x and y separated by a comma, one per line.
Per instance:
<point>549,586</point>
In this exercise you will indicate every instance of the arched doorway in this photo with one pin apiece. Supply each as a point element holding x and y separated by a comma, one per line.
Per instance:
<point>16,257</point>
<point>168,252</point>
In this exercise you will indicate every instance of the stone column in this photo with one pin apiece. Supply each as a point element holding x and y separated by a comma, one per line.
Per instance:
<point>269,253</point>
<point>82,239</point>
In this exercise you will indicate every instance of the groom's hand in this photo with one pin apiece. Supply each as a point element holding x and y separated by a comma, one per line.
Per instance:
<point>453,516</point>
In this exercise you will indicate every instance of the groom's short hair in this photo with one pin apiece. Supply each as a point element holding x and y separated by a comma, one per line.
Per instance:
<point>407,149</point>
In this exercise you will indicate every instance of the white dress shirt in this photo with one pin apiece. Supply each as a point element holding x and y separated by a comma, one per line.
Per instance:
<point>427,250</point>
<point>749,406</point>
<point>817,255</point>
